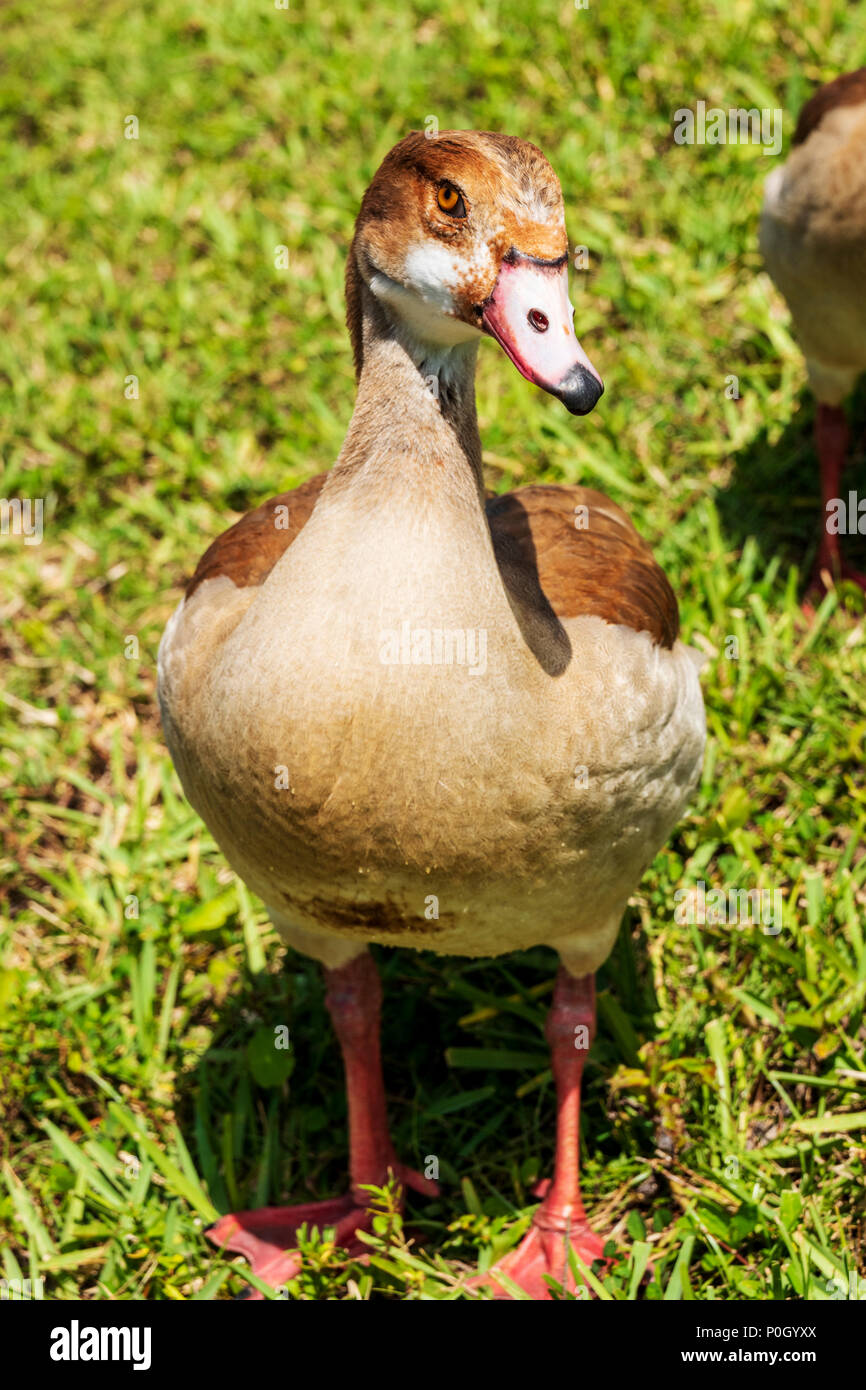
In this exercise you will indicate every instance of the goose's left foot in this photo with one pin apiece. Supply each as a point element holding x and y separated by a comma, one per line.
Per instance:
<point>543,1250</point>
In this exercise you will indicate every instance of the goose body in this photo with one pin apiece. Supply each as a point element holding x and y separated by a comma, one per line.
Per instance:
<point>813,239</point>
<point>346,790</point>
<point>414,715</point>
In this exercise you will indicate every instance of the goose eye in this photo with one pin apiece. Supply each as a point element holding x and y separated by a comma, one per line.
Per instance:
<point>450,200</point>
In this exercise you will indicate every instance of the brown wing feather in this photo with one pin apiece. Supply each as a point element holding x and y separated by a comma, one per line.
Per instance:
<point>248,551</point>
<point>847,90</point>
<point>592,563</point>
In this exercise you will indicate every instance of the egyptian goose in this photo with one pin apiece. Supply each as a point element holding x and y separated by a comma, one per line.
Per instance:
<point>813,238</point>
<point>415,717</point>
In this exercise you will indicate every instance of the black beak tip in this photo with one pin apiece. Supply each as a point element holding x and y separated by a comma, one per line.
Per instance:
<point>580,392</point>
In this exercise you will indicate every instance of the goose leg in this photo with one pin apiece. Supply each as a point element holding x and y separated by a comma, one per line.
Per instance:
<point>831,438</point>
<point>354,1000</point>
<point>561,1216</point>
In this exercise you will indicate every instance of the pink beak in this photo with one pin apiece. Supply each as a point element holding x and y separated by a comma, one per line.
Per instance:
<point>530,316</point>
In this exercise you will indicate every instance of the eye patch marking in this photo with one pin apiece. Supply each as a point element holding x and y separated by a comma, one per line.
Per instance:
<point>450,200</point>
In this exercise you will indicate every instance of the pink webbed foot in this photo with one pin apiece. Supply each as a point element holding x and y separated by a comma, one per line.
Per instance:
<point>267,1236</point>
<point>560,1220</point>
<point>544,1253</point>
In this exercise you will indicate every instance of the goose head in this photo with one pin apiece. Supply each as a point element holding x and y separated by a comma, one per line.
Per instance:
<point>462,235</point>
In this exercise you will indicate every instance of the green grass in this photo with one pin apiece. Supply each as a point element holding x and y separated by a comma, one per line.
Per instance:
<point>723,1145</point>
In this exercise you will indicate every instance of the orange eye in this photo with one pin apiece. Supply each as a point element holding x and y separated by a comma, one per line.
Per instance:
<point>450,200</point>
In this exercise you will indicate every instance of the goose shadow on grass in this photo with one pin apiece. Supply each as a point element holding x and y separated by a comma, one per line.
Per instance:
<point>775,493</point>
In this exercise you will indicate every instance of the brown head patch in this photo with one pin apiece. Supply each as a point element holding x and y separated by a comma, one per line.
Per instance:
<point>847,90</point>
<point>513,200</point>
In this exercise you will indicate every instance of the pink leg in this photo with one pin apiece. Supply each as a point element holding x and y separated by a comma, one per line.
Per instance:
<point>561,1216</point>
<point>354,1001</point>
<point>831,437</point>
